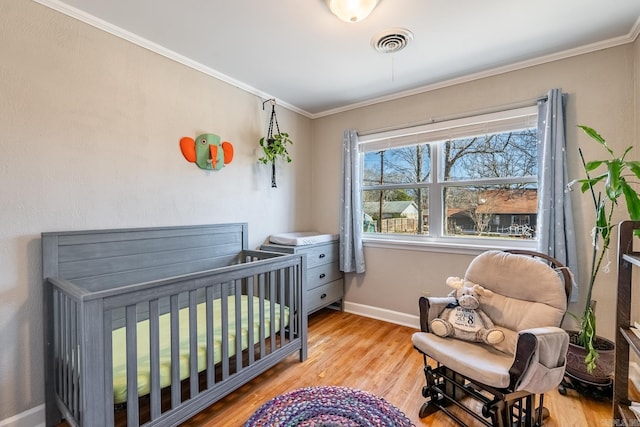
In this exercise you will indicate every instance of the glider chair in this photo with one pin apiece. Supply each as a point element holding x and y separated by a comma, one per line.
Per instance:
<point>498,384</point>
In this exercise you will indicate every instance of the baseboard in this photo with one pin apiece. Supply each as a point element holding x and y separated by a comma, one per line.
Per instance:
<point>34,417</point>
<point>390,316</point>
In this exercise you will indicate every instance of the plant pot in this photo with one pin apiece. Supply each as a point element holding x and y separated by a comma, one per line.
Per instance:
<point>603,373</point>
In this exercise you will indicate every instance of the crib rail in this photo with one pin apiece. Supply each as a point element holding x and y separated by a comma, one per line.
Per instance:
<point>264,286</point>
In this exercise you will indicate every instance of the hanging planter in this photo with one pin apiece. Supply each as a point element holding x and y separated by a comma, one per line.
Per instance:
<point>274,145</point>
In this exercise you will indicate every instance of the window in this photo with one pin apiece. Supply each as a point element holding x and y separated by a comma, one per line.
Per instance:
<point>469,180</point>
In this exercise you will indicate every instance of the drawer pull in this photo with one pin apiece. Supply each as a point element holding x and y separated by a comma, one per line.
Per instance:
<point>321,256</point>
<point>322,276</point>
<point>323,296</point>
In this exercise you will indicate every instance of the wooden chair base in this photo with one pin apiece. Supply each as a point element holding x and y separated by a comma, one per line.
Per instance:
<point>500,407</point>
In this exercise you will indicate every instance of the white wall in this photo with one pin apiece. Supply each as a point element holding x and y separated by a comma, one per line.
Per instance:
<point>601,88</point>
<point>89,133</point>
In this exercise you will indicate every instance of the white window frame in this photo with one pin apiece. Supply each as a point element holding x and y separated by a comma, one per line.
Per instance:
<point>434,133</point>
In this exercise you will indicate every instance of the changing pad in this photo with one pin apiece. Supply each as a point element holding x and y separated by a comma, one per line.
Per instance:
<point>302,238</point>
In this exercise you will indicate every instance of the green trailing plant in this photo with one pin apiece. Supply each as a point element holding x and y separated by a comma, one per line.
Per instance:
<point>607,180</point>
<point>274,145</point>
<point>275,148</point>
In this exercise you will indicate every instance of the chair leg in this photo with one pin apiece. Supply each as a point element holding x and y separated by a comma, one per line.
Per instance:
<point>542,413</point>
<point>499,412</point>
<point>434,400</point>
<point>534,415</point>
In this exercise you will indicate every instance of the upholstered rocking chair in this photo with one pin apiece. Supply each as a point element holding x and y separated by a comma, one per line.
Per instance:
<point>530,295</point>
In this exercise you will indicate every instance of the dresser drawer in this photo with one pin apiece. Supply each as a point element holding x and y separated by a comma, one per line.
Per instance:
<point>324,295</point>
<point>324,253</point>
<point>321,254</point>
<point>322,274</point>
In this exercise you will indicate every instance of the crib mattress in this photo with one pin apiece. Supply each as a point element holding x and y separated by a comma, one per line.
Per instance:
<point>119,342</point>
<point>302,238</point>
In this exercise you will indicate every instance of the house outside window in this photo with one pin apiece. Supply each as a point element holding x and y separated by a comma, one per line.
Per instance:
<point>465,181</point>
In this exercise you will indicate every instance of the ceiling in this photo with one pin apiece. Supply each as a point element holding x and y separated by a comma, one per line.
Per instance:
<point>299,53</point>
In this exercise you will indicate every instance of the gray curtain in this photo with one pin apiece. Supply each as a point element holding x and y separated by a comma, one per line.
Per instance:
<point>556,234</point>
<point>351,250</point>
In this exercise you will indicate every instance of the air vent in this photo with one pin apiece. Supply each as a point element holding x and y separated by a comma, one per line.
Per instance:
<point>392,40</point>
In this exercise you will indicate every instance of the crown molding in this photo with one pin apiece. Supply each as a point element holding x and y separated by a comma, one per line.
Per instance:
<point>147,44</point>
<point>160,50</point>
<point>616,41</point>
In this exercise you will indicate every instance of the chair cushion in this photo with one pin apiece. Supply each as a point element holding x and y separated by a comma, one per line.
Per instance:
<point>527,293</point>
<point>477,361</point>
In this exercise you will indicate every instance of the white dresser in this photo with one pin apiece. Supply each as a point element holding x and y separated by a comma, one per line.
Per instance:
<point>324,281</point>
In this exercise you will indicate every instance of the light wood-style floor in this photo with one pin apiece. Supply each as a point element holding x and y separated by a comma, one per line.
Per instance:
<point>378,357</point>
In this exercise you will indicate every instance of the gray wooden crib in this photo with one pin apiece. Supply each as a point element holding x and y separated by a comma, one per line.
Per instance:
<point>150,326</point>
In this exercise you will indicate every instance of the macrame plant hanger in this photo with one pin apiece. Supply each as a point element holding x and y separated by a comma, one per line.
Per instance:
<point>270,139</point>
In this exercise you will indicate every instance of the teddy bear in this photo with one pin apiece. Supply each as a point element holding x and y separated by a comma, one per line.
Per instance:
<point>464,319</point>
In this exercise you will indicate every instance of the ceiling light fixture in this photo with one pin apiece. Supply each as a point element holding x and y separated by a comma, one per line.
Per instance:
<point>352,10</point>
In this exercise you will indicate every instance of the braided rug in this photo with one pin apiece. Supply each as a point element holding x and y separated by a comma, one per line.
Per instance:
<point>328,406</point>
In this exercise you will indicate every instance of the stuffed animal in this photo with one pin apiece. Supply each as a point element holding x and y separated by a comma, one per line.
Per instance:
<point>465,319</point>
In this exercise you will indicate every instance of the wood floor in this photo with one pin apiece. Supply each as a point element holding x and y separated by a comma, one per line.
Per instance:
<point>378,357</point>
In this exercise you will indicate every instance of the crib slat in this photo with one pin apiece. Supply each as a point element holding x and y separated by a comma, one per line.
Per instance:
<point>250,320</point>
<point>224,320</point>
<point>74,360</point>
<point>211,377</point>
<point>65,346</point>
<point>272,310</point>
<point>263,332</point>
<point>154,358</point>
<point>295,308</point>
<point>57,321</point>
<point>132,365</point>
<point>238,304</point>
<point>108,365</point>
<point>281,301</point>
<point>288,301</point>
<point>193,344</point>
<point>292,303</point>
<point>175,352</point>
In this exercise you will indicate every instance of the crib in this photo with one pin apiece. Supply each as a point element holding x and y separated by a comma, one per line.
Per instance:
<point>150,326</point>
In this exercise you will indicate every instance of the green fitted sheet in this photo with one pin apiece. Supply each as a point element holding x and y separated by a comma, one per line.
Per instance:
<point>119,342</point>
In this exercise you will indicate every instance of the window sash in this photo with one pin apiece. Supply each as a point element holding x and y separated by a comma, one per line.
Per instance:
<point>500,122</point>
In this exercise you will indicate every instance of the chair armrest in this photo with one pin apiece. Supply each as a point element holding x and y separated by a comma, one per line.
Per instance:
<point>525,347</point>
<point>545,346</point>
<point>430,308</point>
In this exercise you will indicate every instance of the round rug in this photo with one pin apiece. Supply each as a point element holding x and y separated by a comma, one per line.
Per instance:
<point>328,406</point>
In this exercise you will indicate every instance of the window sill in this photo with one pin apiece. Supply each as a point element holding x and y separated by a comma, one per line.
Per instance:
<point>465,248</point>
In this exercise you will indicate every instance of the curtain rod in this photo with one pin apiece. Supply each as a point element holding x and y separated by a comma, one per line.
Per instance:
<point>512,106</point>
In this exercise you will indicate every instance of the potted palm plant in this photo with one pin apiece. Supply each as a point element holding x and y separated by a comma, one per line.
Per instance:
<point>606,180</point>
<point>274,145</point>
